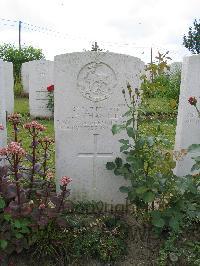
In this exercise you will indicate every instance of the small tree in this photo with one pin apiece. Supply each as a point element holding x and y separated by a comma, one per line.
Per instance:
<point>192,40</point>
<point>10,53</point>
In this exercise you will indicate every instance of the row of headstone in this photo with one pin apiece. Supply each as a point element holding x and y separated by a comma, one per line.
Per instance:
<point>3,133</point>
<point>37,75</point>
<point>25,77</point>
<point>88,101</point>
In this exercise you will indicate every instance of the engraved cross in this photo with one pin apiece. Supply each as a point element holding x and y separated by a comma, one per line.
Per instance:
<point>95,154</point>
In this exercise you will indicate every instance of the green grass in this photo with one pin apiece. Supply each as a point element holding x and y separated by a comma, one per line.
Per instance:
<point>22,106</point>
<point>160,105</point>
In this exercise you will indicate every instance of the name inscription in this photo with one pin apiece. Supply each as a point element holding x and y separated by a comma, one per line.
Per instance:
<point>91,117</point>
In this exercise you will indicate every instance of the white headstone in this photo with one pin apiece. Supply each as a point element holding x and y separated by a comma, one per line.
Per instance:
<point>41,75</point>
<point>88,101</point>
<point>3,133</point>
<point>9,87</point>
<point>188,122</point>
<point>25,76</point>
<point>175,67</point>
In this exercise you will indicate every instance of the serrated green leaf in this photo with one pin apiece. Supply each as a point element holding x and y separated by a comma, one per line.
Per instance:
<point>131,195</point>
<point>117,129</point>
<point>197,159</point>
<point>194,148</point>
<point>196,166</point>
<point>130,121</point>
<point>124,141</point>
<point>174,224</point>
<point>124,189</point>
<point>118,162</point>
<point>131,132</point>
<point>127,113</point>
<point>148,196</point>
<point>17,224</point>
<point>124,148</point>
<point>117,172</point>
<point>141,190</point>
<point>158,222</point>
<point>110,165</point>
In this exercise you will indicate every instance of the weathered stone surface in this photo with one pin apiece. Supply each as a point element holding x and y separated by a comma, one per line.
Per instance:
<point>88,101</point>
<point>3,133</point>
<point>9,86</point>
<point>25,76</point>
<point>188,122</point>
<point>41,75</point>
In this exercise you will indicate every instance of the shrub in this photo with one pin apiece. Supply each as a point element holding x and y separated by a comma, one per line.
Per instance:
<point>10,53</point>
<point>167,201</point>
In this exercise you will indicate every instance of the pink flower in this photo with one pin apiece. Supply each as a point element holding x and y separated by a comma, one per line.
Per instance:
<point>14,148</point>
<point>46,140</point>
<point>50,88</point>
<point>3,151</point>
<point>1,127</point>
<point>192,101</point>
<point>49,176</point>
<point>41,206</point>
<point>65,180</point>
<point>35,125</point>
<point>14,118</point>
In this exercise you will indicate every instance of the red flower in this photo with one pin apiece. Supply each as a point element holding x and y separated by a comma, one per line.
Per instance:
<point>1,127</point>
<point>50,88</point>
<point>192,101</point>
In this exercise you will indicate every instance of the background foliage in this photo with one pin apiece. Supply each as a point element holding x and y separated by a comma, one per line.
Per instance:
<point>10,53</point>
<point>192,40</point>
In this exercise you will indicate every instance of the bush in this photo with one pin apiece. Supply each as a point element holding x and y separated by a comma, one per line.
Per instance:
<point>10,53</point>
<point>161,83</point>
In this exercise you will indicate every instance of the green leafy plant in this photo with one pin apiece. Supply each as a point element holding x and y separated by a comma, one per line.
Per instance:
<point>144,165</point>
<point>167,201</point>
<point>155,78</point>
<point>10,53</point>
<point>28,200</point>
<point>100,238</point>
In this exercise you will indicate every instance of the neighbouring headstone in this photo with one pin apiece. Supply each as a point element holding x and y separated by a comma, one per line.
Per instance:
<point>175,67</point>
<point>41,75</point>
<point>25,77</point>
<point>9,87</point>
<point>3,133</point>
<point>88,101</point>
<point>188,122</point>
